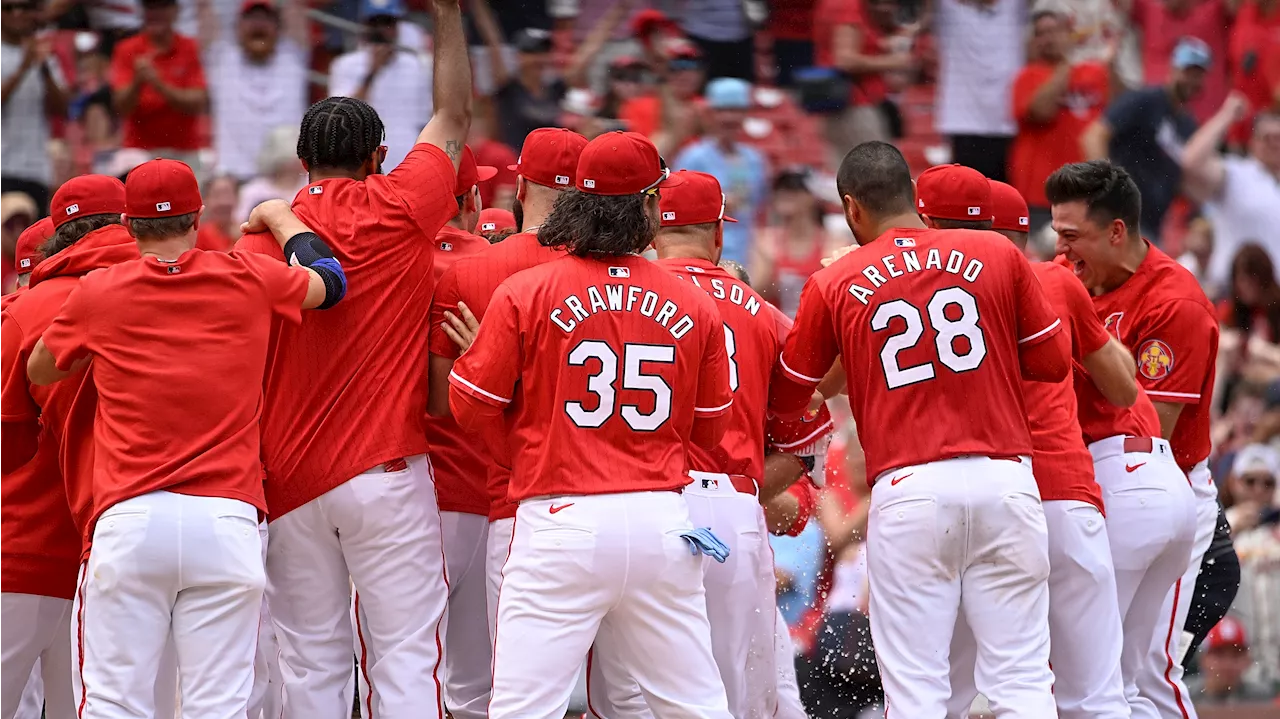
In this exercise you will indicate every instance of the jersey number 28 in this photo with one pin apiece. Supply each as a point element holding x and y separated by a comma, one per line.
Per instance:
<point>948,331</point>
<point>601,384</point>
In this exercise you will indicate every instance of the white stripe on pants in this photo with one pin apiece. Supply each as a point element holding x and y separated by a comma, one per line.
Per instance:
<point>960,535</point>
<point>169,563</point>
<point>36,651</point>
<point>381,532</point>
<point>1084,622</point>
<point>468,657</point>
<point>613,570</point>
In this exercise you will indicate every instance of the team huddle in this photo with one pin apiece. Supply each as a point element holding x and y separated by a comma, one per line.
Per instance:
<point>479,467</point>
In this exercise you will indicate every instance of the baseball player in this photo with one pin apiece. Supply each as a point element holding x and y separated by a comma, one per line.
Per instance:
<point>933,328</point>
<point>26,255</point>
<point>548,165</point>
<point>1086,664</point>
<point>1157,309</point>
<point>494,221</point>
<point>459,467</point>
<point>176,549</point>
<point>348,480</point>
<point>624,363</point>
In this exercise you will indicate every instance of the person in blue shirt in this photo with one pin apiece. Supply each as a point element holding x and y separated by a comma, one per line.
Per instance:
<point>741,170</point>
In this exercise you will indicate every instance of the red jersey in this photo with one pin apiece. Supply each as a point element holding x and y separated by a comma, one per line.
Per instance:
<point>345,390</point>
<point>754,332</point>
<point>473,280</point>
<point>928,323</point>
<point>1163,317</point>
<point>1062,465</point>
<point>610,357</point>
<point>154,123</point>
<point>65,411</point>
<point>459,465</point>
<point>163,421</point>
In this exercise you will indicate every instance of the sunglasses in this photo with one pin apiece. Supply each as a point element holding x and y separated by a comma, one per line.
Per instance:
<point>652,190</point>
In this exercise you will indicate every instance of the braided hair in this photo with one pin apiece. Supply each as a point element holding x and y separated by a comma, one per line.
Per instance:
<point>339,133</point>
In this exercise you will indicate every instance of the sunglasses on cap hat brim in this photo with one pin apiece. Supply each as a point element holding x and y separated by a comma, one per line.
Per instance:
<point>652,190</point>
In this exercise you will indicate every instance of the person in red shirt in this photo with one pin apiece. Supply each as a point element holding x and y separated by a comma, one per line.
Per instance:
<point>158,86</point>
<point>26,253</point>
<point>176,550</point>
<point>1054,100</point>
<point>495,221</point>
<point>548,165</point>
<point>1084,619</point>
<point>626,364</point>
<point>933,328</point>
<point>344,448</point>
<point>1254,55</point>
<point>1157,309</point>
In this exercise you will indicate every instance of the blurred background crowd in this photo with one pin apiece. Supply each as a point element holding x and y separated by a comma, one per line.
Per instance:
<point>766,95</point>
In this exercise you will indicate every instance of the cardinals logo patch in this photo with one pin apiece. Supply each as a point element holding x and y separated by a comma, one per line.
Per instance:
<point>1155,361</point>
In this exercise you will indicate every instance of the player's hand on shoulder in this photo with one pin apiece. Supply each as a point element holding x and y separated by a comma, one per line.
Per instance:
<point>837,254</point>
<point>266,216</point>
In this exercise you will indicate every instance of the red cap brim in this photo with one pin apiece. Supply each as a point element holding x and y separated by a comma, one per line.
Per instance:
<point>485,172</point>
<point>727,218</point>
<point>513,168</point>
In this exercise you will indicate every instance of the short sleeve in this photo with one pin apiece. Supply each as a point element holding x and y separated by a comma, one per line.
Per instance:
<point>1087,330</point>
<point>489,369</point>
<point>16,404</point>
<point>67,337</point>
<point>194,76</point>
<point>424,182</point>
<point>262,243</point>
<point>285,286</point>
<point>121,73</point>
<point>1037,321</point>
<point>444,300</point>
<point>713,397</point>
<point>1177,351</point>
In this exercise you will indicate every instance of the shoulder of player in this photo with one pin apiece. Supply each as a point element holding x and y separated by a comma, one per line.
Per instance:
<point>259,243</point>
<point>1171,282</point>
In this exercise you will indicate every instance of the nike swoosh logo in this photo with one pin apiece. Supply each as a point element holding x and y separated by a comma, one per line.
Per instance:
<point>555,509</point>
<point>895,480</point>
<point>1133,467</point>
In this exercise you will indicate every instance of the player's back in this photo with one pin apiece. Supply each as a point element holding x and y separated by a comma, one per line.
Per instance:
<point>929,323</point>
<point>612,351</point>
<point>345,390</point>
<point>754,332</point>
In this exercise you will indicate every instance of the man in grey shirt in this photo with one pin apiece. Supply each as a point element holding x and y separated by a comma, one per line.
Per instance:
<point>33,92</point>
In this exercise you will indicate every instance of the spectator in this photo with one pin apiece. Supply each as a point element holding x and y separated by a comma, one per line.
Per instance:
<point>1253,305</point>
<point>1100,33</point>
<point>1241,195</point>
<point>33,93</point>
<point>741,169</point>
<point>791,27</point>
<point>679,102</point>
<point>499,190</point>
<point>856,38</point>
<point>257,82</point>
<point>1224,665</point>
<point>1164,22</point>
<point>1054,100</point>
<point>724,34</point>
<point>510,16</point>
<point>158,87</point>
<point>796,563</point>
<point>111,21</point>
<point>624,84</point>
<point>280,173</point>
<point>980,51</point>
<point>394,79</point>
<point>1197,249</point>
<point>1255,60</point>
<point>1252,485</point>
<point>220,223</point>
<point>792,247</point>
<point>1145,130</point>
<point>17,213</point>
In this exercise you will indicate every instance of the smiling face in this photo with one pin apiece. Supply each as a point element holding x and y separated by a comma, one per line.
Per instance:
<point>1094,250</point>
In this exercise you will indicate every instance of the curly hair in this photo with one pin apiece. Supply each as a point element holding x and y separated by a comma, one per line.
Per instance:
<point>610,225</point>
<point>339,133</point>
<point>71,231</point>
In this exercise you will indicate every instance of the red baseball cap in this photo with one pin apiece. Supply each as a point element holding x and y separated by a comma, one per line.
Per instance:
<point>470,174</point>
<point>26,253</point>
<point>268,5</point>
<point>1008,208</point>
<point>692,198</point>
<point>953,192</point>
<point>495,219</point>
<point>1228,633</point>
<point>549,157</point>
<point>620,163</point>
<point>161,188</point>
<point>87,195</point>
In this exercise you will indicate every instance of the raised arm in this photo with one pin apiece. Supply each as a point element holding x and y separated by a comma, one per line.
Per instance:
<point>451,120</point>
<point>1203,171</point>
<point>594,42</point>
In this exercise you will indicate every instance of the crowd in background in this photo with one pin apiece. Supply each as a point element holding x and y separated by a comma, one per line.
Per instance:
<point>766,95</point>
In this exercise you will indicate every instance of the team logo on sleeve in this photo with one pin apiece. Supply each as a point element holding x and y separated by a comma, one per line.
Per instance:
<point>1112,323</point>
<point>1155,361</point>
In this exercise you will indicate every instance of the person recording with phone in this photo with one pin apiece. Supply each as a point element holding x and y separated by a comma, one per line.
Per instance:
<point>393,78</point>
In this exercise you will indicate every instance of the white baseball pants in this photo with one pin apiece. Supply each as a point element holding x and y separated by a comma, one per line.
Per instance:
<point>499,546</point>
<point>1162,682</point>
<point>613,570</point>
<point>965,535</point>
<point>264,698</point>
<point>1084,622</point>
<point>31,706</point>
<point>1151,527</point>
<point>468,655</point>
<point>166,563</point>
<point>789,704</point>
<point>36,651</point>
<point>381,531</point>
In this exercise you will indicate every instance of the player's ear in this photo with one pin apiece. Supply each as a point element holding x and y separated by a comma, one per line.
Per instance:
<point>1119,232</point>
<point>520,188</point>
<point>195,223</point>
<point>852,211</point>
